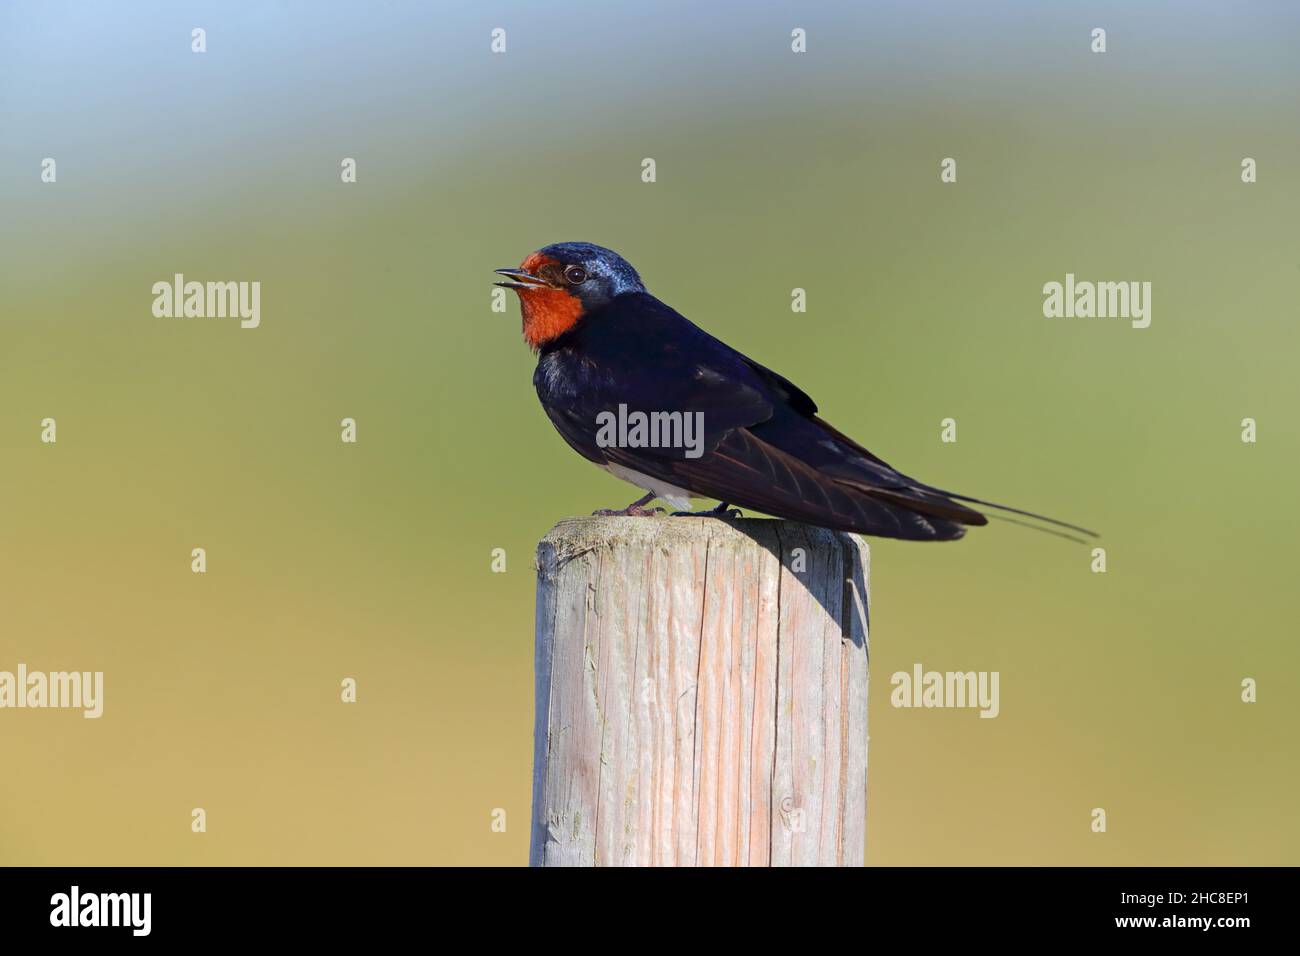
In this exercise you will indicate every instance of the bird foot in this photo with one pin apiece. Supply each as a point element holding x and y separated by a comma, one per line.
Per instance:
<point>723,510</point>
<point>636,509</point>
<point>632,511</point>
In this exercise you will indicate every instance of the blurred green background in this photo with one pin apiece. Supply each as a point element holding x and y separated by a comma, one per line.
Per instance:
<point>775,170</point>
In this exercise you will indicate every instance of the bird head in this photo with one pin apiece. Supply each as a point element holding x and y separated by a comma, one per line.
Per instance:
<point>561,283</point>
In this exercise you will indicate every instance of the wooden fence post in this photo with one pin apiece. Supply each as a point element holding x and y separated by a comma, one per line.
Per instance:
<point>701,694</point>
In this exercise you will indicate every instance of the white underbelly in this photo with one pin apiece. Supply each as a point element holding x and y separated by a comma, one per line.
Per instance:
<point>679,498</point>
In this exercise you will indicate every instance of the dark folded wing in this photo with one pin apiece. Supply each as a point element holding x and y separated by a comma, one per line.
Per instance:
<point>763,446</point>
<point>748,471</point>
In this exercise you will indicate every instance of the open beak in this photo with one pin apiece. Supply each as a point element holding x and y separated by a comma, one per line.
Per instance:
<point>519,279</point>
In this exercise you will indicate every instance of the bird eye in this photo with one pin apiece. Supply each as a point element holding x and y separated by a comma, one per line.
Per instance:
<point>576,275</point>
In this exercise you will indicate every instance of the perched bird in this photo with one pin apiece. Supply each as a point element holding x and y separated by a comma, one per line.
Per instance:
<point>609,351</point>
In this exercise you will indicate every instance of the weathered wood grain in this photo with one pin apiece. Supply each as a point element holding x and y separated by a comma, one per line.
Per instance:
<point>701,694</point>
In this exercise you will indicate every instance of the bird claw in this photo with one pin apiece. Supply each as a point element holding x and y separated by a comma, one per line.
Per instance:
<point>721,511</point>
<point>631,511</point>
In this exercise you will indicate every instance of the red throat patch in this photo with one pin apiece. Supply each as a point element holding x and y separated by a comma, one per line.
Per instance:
<point>548,313</point>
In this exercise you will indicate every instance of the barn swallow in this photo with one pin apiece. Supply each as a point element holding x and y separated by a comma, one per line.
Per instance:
<point>618,369</point>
